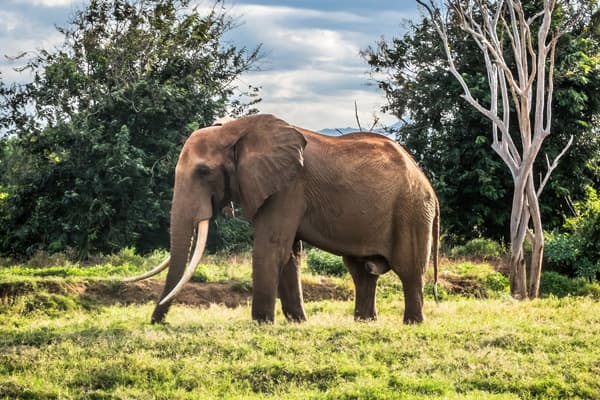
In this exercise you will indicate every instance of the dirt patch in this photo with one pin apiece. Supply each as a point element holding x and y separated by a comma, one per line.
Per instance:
<point>194,293</point>
<point>462,286</point>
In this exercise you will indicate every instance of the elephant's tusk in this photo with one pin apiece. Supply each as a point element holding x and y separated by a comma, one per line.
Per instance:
<point>148,274</point>
<point>198,251</point>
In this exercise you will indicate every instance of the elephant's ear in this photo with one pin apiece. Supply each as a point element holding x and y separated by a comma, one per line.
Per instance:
<point>269,156</point>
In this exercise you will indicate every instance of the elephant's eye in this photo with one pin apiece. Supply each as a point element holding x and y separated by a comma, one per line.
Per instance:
<point>202,171</point>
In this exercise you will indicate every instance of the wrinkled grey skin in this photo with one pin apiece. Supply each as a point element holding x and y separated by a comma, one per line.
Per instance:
<point>360,196</point>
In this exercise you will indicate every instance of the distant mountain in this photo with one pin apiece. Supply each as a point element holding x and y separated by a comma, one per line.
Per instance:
<point>342,131</point>
<point>338,131</point>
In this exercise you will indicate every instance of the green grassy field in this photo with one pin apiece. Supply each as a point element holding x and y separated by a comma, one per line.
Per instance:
<point>53,345</point>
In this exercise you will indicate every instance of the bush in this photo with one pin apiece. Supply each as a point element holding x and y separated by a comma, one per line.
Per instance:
<point>553,283</point>
<point>560,253</point>
<point>324,263</point>
<point>496,282</point>
<point>473,279</point>
<point>576,252</point>
<point>229,235</point>
<point>479,248</point>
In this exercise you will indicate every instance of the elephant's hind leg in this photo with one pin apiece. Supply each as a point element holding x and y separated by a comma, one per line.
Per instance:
<point>410,263</point>
<point>412,285</point>
<point>366,285</point>
<point>290,287</point>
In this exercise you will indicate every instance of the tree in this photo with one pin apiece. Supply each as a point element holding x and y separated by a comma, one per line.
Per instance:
<point>439,127</point>
<point>513,72</point>
<point>98,130</point>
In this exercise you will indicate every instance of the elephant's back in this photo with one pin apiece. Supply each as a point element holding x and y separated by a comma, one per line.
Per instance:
<point>362,158</point>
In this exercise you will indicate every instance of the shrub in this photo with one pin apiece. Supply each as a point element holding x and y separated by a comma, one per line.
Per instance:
<point>576,252</point>
<point>553,283</point>
<point>324,263</point>
<point>479,248</point>
<point>473,279</point>
<point>126,255</point>
<point>556,284</point>
<point>496,282</point>
<point>560,253</point>
<point>229,235</point>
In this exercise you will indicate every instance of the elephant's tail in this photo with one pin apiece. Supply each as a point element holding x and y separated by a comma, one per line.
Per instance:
<point>436,250</point>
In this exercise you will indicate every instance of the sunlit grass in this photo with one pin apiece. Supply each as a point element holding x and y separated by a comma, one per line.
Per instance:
<point>55,344</point>
<point>466,349</point>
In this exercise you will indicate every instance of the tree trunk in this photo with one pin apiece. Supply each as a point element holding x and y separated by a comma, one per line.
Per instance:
<point>537,253</point>
<point>519,221</point>
<point>518,276</point>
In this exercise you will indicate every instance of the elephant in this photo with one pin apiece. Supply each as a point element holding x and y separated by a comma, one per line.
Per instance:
<point>359,195</point>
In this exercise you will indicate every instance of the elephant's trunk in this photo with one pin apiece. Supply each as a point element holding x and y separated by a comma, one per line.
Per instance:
<point>202,234</point>
<point>180,271</point>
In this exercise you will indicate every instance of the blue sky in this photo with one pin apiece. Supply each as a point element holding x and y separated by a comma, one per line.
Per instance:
<point>311,73</point>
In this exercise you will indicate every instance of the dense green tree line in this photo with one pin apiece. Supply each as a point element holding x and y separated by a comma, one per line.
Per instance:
<point>450,139</point>
<point>89,145</point>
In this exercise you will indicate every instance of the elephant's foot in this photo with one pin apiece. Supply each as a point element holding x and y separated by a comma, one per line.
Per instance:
<point>263,308</point>
<point>158,316</point>
<point>365,316</point>
<point>411,319</point>
<point>263,319</point>
<point>295,316</point>
<point>293,309</point>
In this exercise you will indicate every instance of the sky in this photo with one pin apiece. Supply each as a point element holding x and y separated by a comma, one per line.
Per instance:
<point>311,73</point>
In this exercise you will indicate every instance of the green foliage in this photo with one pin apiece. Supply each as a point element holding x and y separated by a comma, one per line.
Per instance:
<point>560,253</point>
<point>324,263</point>
<point>230,235</point>
<point>577,251</point>
<point>96,134</point>
<point>497,282</point>
<point>472,280</point>
<point>451,140</point>
<point>479,248</point>
<point>556,284</point>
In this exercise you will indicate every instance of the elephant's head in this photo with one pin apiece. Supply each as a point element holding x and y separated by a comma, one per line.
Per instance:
<point>245,161</point>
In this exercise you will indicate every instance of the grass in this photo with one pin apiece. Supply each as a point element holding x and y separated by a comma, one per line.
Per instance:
<point>468,348</point>
<point>213,268</point>
<point>55,346</point>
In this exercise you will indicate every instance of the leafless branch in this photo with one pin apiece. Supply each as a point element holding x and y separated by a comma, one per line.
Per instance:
<point>552,166</point>
<point>356,115</point>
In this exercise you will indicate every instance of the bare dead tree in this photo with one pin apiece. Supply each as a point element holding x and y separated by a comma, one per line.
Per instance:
<point>522,75</point>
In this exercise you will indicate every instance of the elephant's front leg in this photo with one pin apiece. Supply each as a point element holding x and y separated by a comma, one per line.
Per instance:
<point>290,286</point>
<point>275,227</point>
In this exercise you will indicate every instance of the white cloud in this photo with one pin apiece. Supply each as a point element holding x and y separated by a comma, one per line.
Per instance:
<point>9,21</point>
<point>334,111</point>
<point>283,13</point>
<point>15,45</point>
<point>313,72</point>
<point>317,99</point>
<point>46,3</point>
